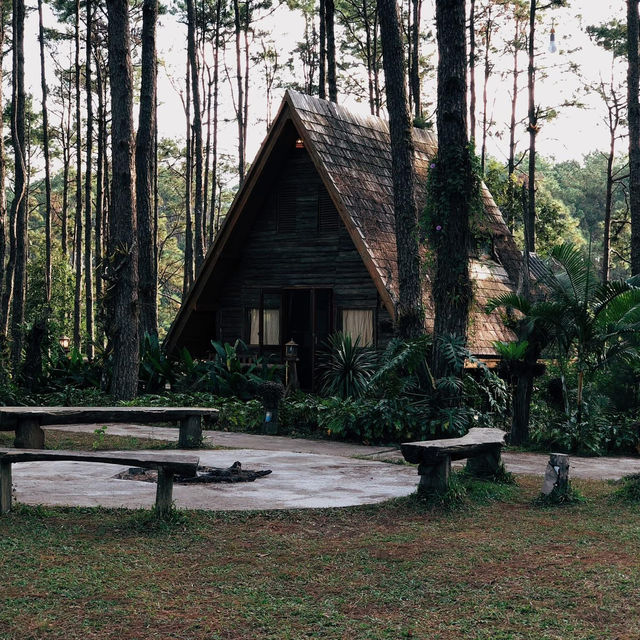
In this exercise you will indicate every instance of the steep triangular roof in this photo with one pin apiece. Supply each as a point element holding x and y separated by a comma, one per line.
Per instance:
<point>352,154</point>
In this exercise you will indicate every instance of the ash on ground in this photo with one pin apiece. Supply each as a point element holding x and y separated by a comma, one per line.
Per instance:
<point>234,473</point>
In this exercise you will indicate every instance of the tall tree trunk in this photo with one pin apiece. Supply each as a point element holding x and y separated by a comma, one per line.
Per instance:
<point>452,292</point>
<point>472,70</point>
<point>45,149</point>
<point>322,63</point>
<point>633,87</point>
<point>511,165</point>
<point>530,214</point>
<point>415,58</point>
<point>3,194</point>
<point>216,94</point>
<point>409,315</point>
<point>485,87</point>
<point>188,239</point>
<point>100,179</point>
<point>123,320</point>
<point>614,117</point>
<point>240,84</point>
<point>78,222</point>
<point>144,172</point>
<point>88,240</point>
<point>329,7</point>
<point>19,204</point>
<point>197,132</point>
<point>65,134</point>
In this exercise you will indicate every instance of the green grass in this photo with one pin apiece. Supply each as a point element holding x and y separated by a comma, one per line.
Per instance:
<point>499,568</point>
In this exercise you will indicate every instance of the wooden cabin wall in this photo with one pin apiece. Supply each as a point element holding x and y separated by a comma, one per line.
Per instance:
<point>276,255</point>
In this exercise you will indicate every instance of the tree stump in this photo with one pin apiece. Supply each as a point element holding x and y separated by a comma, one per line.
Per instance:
<point>485,465</point>
<point>190,436</point>
<point>557,474</point>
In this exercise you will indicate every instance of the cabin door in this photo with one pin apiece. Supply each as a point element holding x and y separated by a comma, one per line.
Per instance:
<point>308,322</point>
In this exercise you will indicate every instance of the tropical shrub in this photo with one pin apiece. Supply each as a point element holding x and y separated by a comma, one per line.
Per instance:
<point>346,366</point>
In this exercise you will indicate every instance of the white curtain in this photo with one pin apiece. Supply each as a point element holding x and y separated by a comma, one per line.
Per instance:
<point>358,323</point>
<point>270,325</point>
<point>254,326</point>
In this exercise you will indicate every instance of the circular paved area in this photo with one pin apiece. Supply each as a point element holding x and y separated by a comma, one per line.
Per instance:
<point>297,481</point>
<point>305,474</point>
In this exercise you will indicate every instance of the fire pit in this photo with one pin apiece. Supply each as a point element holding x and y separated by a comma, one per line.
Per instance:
<point>205,475</point>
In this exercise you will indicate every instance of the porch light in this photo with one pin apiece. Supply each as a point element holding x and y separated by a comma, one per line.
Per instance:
<point>291,350</point>
<point>65,342</point>
<point>552,39</point>
<point>299,143</point>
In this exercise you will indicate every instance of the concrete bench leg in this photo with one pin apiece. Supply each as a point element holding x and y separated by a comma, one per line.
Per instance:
<point>190,433</point>
<point>434,477</point>
<point>29,434</point>
<point>164,492</point>
<point>486,464</point>
<point>5,487</point>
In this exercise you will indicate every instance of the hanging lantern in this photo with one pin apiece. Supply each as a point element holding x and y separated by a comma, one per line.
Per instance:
<point>552,39</point>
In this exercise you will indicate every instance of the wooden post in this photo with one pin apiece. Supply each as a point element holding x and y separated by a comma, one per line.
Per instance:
<point>190,433</point>
<point>557,474</point>
<point>29,434</point>
<point>434,476</point>
<point>5,487</point>
<point>164,492</point>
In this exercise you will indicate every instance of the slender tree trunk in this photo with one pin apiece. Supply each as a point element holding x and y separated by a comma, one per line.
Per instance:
<point>511,165</point>
<point>45,148</point>
<point>322,71</point>
<point>485,88</point>
<point>530,214</point>
<point>606,248</point>
<point>19,204</point>
<point>452,292</point>
<point>472,70</point>
<point>415,58</point>
<point>144,172</point>
<point>409,315</point>
<point>216,93</point>
<point>633,87</point>
<point>197,132</point>
<point>65,128</point>
<point>3,194</point>
<point>100,179</point>
<point>78,222</point>
<point>240,84</point>
<point>123,320</point>
<point>88,240</point>
<point>188,240</point>
<point>329,7</point>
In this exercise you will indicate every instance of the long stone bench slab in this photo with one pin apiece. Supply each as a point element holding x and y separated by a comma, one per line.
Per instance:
<point>28,421</point>
<point>167,465</point>
<point>481,447</point>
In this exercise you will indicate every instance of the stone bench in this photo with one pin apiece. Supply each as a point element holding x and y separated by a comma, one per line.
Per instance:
<point>28,421</point>
<point>167,466</point>
<point>480,447</point>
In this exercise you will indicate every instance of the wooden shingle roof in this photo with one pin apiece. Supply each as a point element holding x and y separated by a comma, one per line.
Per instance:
<point>352,154</point>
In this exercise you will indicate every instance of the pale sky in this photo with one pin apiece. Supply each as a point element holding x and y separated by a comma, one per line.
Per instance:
<point>573,133</point>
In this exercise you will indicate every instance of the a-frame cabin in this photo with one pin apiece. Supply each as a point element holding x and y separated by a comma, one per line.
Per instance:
<point>308,245</point>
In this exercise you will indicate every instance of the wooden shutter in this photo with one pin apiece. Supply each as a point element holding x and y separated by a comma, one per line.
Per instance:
<point>287,195</point>
<point>328,218</point>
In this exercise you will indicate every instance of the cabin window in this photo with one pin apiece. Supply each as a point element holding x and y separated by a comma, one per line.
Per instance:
<point>328,218</point>
<point>269,316</point>
<point>358,323</point>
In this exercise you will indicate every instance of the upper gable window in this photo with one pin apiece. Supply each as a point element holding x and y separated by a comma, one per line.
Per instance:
<point>328,218</point>
<point>286,205</point>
